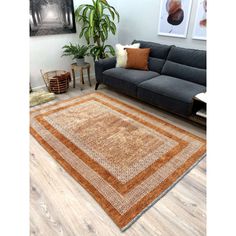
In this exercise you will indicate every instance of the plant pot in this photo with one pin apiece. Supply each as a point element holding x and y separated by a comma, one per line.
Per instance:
<point>80,61</point>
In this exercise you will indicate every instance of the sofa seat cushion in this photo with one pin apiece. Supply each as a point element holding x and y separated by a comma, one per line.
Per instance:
<point>170,93</point>
<point>126,80</point>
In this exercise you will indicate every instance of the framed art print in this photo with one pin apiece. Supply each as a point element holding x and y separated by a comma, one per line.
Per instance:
<point>200,25</point>
<point>174,17</point>
<point>51,17</point>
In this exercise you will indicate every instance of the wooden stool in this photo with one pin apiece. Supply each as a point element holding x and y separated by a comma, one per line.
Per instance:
<point>80,68</point>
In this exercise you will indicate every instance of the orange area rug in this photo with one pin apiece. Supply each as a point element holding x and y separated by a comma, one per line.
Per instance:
<point>124,157</point>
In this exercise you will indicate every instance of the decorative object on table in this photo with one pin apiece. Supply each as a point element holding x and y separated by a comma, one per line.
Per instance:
<point>97,22</point>
<point>121,54</point>
<point>174,17</point>
<point>57,81</point>
<point>77,52</point>
<point>39,97</point>
<point>200,26</point>
<point>51,17</point>
<point>125,173</point>
<point>75,67</point>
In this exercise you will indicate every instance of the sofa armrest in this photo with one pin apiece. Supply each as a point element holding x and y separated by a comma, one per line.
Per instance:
<point>102,65</point>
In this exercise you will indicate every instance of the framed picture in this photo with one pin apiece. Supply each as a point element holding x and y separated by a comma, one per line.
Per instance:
<point>200,25</point>
<point>174,17</point>
<point>51,17</point>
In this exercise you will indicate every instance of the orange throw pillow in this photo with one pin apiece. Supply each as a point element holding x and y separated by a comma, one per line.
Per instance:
<point>137,58</point>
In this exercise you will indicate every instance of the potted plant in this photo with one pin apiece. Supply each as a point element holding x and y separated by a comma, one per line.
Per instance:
<point>77,52</point>
<point>97,21</point>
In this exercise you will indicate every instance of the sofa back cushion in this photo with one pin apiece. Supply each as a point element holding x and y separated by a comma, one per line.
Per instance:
<point>157,56</point>
<point>186,64</point>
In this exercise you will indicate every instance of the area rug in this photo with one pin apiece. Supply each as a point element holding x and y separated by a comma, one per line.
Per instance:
<point>124,157</point>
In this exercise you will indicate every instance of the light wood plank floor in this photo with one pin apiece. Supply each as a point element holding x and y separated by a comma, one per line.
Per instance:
<point>60,206</point>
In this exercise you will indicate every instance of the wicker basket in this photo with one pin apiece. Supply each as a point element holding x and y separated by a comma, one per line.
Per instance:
<point>55,83</point>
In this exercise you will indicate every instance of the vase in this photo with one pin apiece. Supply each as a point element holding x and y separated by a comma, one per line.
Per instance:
<point>80,61</point>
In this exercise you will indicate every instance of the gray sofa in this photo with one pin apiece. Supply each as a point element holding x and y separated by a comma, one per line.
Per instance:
<point>175,76</point>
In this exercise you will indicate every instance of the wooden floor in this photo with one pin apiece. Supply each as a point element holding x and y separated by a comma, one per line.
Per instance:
<point>60,206</point>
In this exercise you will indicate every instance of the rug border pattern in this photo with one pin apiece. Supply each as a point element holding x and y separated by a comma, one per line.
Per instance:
<point>124,221</point>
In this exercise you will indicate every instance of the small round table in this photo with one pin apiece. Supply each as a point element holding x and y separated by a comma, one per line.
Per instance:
<point>75,67</point>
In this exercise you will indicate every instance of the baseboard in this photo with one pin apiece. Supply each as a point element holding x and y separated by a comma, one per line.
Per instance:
<point>39,87</point>
<point>92,76</point>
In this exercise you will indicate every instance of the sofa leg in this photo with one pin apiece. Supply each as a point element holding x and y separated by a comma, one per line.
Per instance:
<point>96,86</point>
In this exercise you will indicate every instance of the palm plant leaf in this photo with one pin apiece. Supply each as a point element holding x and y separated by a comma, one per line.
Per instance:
<point>113,28</point>
<point>84,13</point>
<point>111,49</point>
<point>99,8</point>
<point>76,51</point>
<point>112,13</point>
<point>91,17</point>
<point>97,22</point>
<point>116,13</point>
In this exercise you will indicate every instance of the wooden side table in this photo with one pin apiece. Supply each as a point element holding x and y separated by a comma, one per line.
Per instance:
<point>80,68</point>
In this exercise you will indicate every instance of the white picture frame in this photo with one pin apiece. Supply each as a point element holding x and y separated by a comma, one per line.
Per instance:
<point>200,32</point>
<point>167,29</point>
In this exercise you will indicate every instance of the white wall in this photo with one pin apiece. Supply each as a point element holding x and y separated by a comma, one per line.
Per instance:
<point>46,51</point>
<point>139,20</point>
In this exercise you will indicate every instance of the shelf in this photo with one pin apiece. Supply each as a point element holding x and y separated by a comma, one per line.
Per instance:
<point>202,113</point>
<point>198,119</point>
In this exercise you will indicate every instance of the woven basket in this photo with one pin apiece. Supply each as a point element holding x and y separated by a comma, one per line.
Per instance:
<point>56,85</point>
